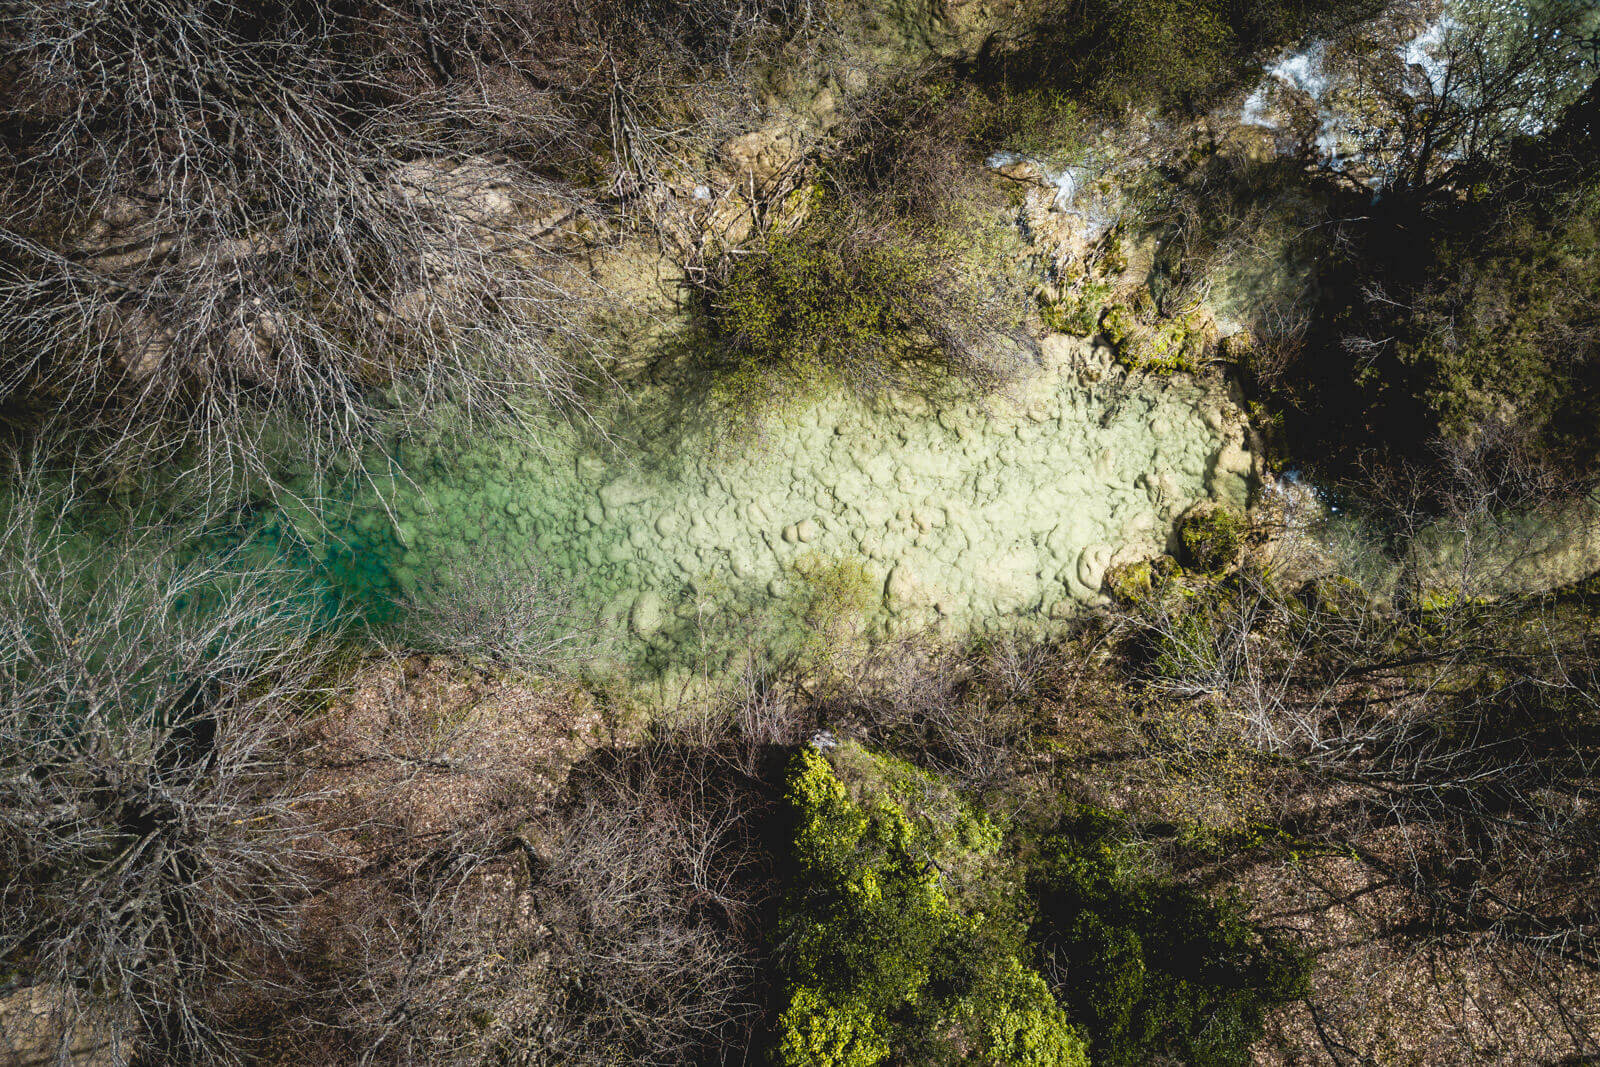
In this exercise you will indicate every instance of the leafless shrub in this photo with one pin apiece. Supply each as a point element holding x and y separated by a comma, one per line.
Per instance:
<point>649,888</point>
<point>499,607</point>
<point>616,928</point>
<point>419,944</point>
<point>218,220</point>
<point>482,903</point>
<point>910,154</point>
<point>1445,738</point>
<point>1279,340</point>
<point>968,713</point>
<point>150,858</point>
<point>218,215</point>
<point>423,965</point>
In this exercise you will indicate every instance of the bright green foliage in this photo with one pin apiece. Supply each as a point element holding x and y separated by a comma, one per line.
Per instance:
<point>1212,537</point>
<point>1024,1026</point>
<point>1155,970</point>
<point>828,1035</point>
<point>1164,347</point>
<point>884,953</point>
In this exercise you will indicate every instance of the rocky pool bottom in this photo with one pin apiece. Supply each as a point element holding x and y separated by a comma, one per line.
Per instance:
<point>1000,513</point>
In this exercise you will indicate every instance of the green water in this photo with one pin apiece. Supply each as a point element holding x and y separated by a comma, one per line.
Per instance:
<point>1001,513</point>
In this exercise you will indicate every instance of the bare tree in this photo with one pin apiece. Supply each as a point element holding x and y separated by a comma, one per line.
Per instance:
<point>151,859</point>
<point>650,889</point>
<point>502,607</point>
<point>1441,732</point>
<point>229,230</point>
<point>221,215</point>
<point>1430,114</point>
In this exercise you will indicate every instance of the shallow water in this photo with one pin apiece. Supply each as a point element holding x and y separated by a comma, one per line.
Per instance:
<point>973,516</point>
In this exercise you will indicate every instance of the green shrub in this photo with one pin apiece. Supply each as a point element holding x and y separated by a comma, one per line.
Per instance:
<point>1212,537</point>
<point>1033,120</point>
<point>1154,969</point>
<point>1160,50</point>
<point>815,1032</point>
<point>896,940</point>
<point>1467,321</point>
<point>1165,346</point>
<point>838,302</point>
<point>1175,54</point>
<point>1076,311</point>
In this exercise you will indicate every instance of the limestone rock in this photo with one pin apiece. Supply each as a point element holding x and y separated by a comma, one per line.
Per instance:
<point>1092,564</point>
<point>648,614</point>
<point>761,154</point>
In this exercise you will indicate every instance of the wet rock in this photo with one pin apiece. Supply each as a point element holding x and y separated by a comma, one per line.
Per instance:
<point>648,614</point>
<point>624,492</point>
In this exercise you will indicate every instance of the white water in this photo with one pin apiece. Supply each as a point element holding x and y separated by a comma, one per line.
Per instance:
<point>1306,78</point>
<point>1072,196</point>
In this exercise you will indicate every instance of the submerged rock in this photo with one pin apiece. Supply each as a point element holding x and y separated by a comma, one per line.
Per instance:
<point>973,516</point>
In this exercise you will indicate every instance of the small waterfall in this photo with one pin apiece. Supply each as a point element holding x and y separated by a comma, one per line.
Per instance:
<point>1071,184</point>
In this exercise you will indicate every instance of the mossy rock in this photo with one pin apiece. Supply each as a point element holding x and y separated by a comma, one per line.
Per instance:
<point>1237,347</point>
<point>1434,601</point>
<point>1136,582</point>
<point>1213,536</point>
<point>1169,346</point>
<point>1120,325</point>
<point>1144,304</point>
<point>1131,583</point>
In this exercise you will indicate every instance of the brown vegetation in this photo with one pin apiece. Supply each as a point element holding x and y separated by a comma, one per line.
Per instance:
<point>216,216</point>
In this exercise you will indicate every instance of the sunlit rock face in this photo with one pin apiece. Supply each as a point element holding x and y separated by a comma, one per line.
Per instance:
<point>1000,513</point>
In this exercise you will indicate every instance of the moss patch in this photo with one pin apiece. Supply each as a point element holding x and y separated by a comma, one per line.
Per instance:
<point>1165,346</point>
<point>1213,536</point>
<point>894,939</point>
<point>1137,582</point>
